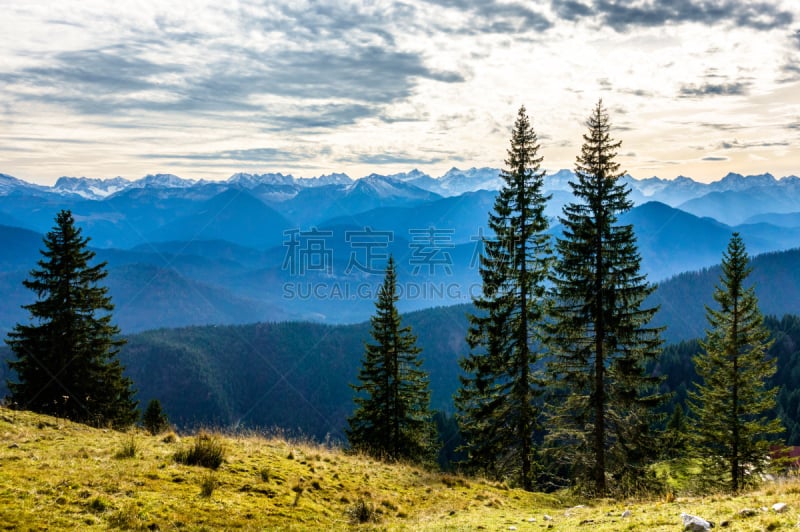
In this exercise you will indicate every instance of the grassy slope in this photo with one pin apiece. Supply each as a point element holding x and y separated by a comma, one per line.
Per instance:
<point>59,475</point>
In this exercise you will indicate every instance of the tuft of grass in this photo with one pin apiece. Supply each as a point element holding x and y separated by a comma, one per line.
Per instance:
<point>207,451</point>
<point>362,512</point>
<point>129,448</point>
<point>98,505</point>
<point>264,474</point>
<point>207,485</point>
<point>127,518</point>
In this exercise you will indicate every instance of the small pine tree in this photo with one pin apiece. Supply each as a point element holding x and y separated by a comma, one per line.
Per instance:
<point>392,419</point>
<point>67,362</point>
<point>604,403</point>
<point>154,419</point>
<point>676,435</point>
<point>497,400</point>
<point>733,404</point>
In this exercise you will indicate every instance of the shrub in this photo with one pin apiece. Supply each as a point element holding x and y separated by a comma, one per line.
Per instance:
<point>207,451</point>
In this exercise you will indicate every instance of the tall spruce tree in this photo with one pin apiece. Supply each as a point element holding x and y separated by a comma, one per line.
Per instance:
<point>392,419</point>
<point>604,401</point>
<point>733,404</point>
<point>67,361</point>
<point>497,400</point>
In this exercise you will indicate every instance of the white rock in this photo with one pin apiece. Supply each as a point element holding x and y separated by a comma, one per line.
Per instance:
<point>531,519</point>
<point>627,513</point>
<point>692,523</point>
<point>512,527</point>
<point>547,517</point>
<point>780,507</point>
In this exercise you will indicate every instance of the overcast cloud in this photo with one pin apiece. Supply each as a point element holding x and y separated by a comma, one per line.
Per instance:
<point>204,89</point>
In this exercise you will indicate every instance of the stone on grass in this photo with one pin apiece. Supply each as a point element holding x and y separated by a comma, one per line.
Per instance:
<point>780,507</point>
<point>626,513</point>
<point>692,523</point>
<point>747,512</point>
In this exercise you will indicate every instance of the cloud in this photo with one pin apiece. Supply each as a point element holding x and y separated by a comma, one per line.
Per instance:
<point>398,158</point>
<point>622,15</point>
<point>571,10</point>
<point>492,16</point>
<point>714,158</point>
<point>735,144</point>
<point>305,117</point>
<point>720,126</point>
<point>736,88</point>
<point>792,71</point>
<point>246,155</point>
<point>342,59</point>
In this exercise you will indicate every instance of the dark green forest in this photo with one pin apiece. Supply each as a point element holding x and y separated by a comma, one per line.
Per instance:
<point>675,364</point>
<point>296,375</point>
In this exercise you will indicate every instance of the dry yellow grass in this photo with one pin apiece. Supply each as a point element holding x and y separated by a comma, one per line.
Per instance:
<point>58,475</point>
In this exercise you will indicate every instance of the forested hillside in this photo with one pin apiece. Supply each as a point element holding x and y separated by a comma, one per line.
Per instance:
<point>292,375</point>
<point>682,299</point>
<point>296,375</point>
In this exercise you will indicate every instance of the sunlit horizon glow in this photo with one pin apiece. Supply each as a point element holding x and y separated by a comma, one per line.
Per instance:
<point>203,90</point>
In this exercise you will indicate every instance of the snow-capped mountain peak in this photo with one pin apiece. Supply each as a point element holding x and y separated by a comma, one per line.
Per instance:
<point>253,180</point>
<point>162,181</point>
<point>329,179</point>
<point>90,188</point>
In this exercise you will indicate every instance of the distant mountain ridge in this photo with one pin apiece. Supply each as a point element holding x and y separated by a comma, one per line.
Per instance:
<point>452,183</point>
<point>272,246</point>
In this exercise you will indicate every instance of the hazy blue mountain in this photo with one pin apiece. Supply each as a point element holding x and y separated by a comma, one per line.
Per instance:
<point>18,247</point>
<point>671,240</point>
<point>682,299</point>
<point>222,251</point>
<point>435,245</point>
<point>233,215</point>
<point>788,219</point>
<point>313,205</point>
<point>147,296</point>
<point>461,216</point>
<point>734,182</point>
<point>735,206</point>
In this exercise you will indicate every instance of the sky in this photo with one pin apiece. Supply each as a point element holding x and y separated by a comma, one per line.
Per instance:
<point>205,89</point>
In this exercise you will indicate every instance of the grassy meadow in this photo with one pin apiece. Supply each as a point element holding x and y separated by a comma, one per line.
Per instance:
<point>58,475</point>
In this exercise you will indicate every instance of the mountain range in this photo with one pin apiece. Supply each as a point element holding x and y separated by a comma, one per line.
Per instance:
<point>274,247</point>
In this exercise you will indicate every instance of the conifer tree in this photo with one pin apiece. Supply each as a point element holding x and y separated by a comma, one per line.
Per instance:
<point>604,402</point>
<point>154,419</point>
<point>497,400</point>
<point>67,362</point>
<point>733,403</point>
<point>392,419</point>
